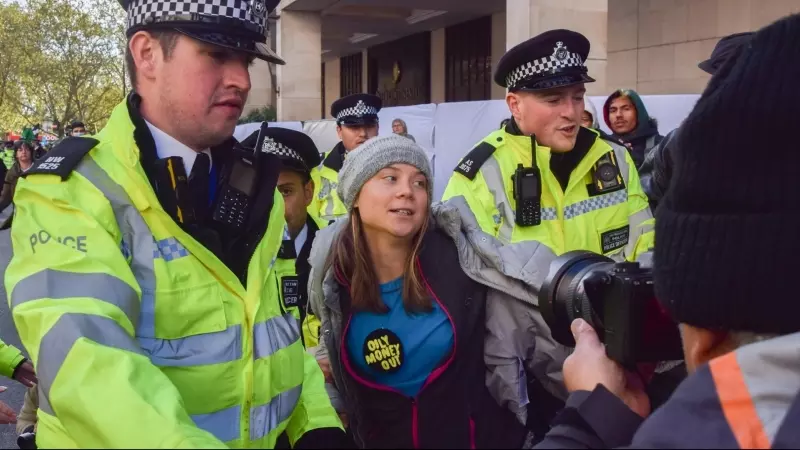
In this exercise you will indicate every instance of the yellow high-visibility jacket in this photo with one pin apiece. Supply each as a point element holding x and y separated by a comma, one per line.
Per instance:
<point>10,358</point>
<point>615,223</point>
<point>326,204</point>
<point>141,336</point>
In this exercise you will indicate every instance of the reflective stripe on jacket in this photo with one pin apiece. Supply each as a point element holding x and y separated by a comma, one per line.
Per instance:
<point>571,220</point>
<point>140,335</point>
<point>326,203</point>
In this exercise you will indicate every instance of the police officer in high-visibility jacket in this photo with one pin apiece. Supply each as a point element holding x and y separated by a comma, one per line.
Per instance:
<point>147,282</point>
<point>356,121</point>
<point>544,177</point>
<point>298,154</point>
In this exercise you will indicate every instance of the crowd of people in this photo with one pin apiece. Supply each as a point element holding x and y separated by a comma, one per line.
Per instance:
<point>186,289</point>
<point>18,156</point>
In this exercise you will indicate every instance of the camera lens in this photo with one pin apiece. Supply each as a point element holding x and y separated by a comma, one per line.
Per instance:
<point>567,293</point>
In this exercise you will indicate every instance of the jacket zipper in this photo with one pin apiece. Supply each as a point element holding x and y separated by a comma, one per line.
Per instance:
<point>431,378</point>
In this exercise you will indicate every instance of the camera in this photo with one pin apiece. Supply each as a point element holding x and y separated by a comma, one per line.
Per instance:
<point>617,300</point>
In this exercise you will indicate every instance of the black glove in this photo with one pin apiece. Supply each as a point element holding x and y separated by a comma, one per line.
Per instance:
<point>325,438</point>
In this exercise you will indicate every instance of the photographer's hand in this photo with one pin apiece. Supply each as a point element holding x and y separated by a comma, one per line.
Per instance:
<point>589,366</point>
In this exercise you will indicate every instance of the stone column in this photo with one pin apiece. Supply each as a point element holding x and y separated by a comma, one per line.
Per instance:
<point>527,18</point>
<point>299,43</point>
<point>261,91</point>
<point>498,50</point>
<point>333,87</point>
<point>438,66</point>
<point>365,70</point>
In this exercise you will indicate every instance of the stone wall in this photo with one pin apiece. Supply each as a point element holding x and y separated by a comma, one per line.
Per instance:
<point>654,46</point>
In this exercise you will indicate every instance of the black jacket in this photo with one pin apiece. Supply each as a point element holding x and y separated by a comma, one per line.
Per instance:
<point>303,268</point>
<point>641,142</point>
<point>656,171</point>
<point>454,409</point>
<point>745,399</point>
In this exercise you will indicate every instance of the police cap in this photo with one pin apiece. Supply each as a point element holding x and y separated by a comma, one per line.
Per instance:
<point>357,109</point>
<point>294,148</point>
<point>234,24</point>
<point>550,60</point>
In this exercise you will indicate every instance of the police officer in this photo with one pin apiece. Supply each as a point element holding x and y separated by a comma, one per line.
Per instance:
<point>356,121</point>
<point>298,154</point>
<point>146,280</point>
<point>544,177</point>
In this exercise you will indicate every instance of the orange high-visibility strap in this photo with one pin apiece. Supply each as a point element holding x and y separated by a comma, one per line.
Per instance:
<point>737,404</point>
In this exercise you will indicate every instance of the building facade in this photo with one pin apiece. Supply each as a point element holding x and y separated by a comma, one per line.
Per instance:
<point>433,51</point>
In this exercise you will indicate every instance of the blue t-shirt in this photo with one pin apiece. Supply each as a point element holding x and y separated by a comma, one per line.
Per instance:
<point>398,349</point>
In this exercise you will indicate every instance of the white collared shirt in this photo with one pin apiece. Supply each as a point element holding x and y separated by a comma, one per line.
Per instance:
<point>167,146</point>
<point>300,240</point>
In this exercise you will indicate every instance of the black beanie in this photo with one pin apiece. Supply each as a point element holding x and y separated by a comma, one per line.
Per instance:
<point>728,229</point>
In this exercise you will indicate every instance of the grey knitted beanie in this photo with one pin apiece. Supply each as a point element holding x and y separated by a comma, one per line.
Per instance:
<point>369,158</point>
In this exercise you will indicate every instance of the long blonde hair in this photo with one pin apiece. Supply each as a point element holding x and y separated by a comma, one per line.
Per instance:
<point>352,260</point>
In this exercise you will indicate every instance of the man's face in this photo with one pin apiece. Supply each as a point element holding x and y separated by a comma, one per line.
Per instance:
<point>296,198</point>
<point>202,89</point>
<point>24,154</point>
<point>622,115</point>
<point>78,131</point>
<point>586,119</point>
<point>553,115</point>
<point>354,135</point>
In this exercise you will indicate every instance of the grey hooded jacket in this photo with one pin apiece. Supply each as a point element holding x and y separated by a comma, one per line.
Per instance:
<point>518,341</point>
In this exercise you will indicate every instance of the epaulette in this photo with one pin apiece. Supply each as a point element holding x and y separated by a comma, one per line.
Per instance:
<point>471,164</point>
<point>63,158</point>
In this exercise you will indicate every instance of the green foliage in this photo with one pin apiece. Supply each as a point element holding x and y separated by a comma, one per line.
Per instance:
<point>61,60</point>
<point>265,114</point>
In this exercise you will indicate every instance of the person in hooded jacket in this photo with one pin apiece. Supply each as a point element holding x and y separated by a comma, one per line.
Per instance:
<point>627,117</point>
<point>744,387</point>
<point>430,326</point>
<point>589,116</point>
<point>589,120</point>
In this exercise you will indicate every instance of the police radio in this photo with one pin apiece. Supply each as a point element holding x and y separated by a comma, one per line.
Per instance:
<point>233,203</point>
<point>528,196</point>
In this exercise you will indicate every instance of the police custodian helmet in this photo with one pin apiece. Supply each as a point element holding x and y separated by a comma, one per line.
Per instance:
<point>235,24</point>
<point>357,109</point>
<point>550,60</point>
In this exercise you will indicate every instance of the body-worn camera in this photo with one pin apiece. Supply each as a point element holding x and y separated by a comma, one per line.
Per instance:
<point>617,300</point>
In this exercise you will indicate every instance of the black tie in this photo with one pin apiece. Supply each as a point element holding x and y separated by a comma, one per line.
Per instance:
<point>199,181</point>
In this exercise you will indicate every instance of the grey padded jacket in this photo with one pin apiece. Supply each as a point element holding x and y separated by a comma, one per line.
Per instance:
<point>518,341</point>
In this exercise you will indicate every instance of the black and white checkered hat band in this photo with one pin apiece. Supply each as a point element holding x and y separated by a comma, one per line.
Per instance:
<point>252,11</point>
<point>359,110</point>
<point>278,149</point>
<point>542,66</point>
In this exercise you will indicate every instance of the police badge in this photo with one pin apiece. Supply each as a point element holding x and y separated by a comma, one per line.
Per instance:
<point>560,52</point>
<point>258,8</point>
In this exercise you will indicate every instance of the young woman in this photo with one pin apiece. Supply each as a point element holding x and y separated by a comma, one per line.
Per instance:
<point>23,153</point>
<point>427,344</point>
